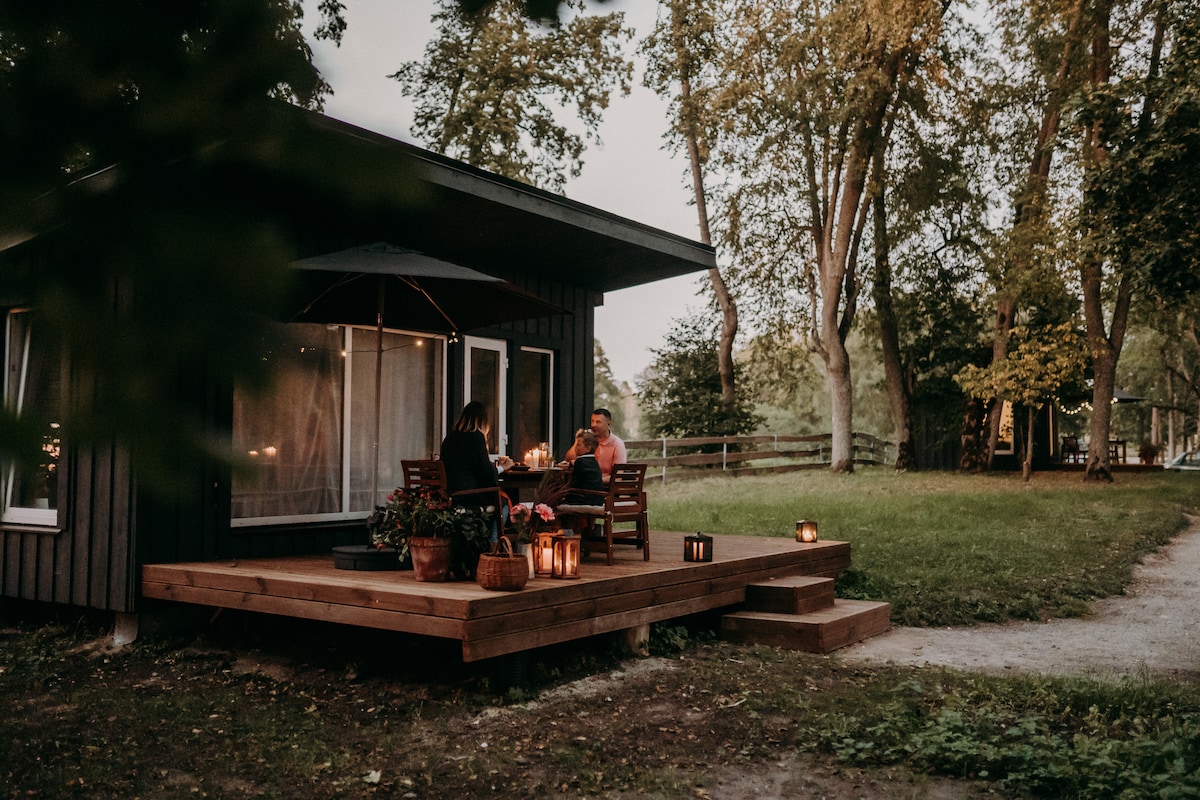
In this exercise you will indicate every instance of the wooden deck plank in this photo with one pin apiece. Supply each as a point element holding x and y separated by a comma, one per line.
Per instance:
<point>631,592</point>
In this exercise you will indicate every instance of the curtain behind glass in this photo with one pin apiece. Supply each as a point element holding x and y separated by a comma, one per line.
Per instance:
<point>291,434</point>
<point>33,385</point>
<point>410,409</point>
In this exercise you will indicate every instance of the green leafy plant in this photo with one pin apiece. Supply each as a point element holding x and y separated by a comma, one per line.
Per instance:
<point>426,513</point>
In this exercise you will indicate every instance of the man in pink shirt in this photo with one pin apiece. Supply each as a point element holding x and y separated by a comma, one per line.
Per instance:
<point>610,450</point>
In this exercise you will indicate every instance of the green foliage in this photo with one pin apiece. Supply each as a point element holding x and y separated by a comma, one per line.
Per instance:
<point>426,513</point>
<point>111,114</point>
<point>680,394</point>
<point>791,390</point>
<point>1141,209</point>
<point>1039,363</point>
<point>668,640</point>
<point>482,90</point>
<point>950,549</point>
<point>1043,737</point>
<point>608,393</point>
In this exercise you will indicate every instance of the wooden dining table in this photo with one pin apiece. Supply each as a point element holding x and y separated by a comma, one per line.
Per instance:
<point>520,484</point>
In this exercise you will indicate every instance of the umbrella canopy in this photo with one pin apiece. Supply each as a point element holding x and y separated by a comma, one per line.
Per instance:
<point>384,285</point>
<point>392,287</point>
<point>1122,396</point>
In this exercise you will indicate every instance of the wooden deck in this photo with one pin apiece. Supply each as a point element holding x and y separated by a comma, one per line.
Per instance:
<point>629,594</point>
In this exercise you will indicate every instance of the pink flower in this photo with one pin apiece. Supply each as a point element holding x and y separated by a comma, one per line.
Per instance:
<point>519,510</point>
<point>544,511</point>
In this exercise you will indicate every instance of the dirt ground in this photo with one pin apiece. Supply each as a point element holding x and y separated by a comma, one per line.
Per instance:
<point>1153,629</point>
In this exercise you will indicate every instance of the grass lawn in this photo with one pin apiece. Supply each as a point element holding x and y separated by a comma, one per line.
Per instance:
<point>950,549</point>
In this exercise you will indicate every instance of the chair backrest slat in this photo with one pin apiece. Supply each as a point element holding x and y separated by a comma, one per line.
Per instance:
<point>625,494</point>
<point>424,474</point>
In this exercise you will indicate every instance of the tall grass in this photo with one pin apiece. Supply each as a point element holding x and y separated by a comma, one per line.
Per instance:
<point>950,549</point>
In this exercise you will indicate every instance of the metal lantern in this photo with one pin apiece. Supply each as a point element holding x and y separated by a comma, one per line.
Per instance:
<point>806,530</point>
<point>565,561</point>
<point>698,547</point>
<point>543,552</point>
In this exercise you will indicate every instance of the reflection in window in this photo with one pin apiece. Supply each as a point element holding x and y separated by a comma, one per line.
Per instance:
<point>309,441</point>
<point>533,388</point>
<point>33,389</point>
<point>410,402</point>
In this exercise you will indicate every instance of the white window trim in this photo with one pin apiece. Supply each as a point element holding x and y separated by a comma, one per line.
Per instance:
<point>21,515</point>
<point>500,347</point>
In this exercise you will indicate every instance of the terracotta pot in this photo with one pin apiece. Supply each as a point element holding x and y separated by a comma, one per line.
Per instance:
<point>430,558</point>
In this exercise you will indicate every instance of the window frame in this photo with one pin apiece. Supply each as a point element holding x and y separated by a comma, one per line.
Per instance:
<point>347,342</point>
<point>50,520</point>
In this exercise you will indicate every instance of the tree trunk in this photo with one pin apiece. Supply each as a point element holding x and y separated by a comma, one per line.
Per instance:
<point>1030,207</point>
<point>729,315</point>
<point>973,455</point>
<point>841,395</point>
<point>899,392</point>
<point>1027,462</point>
<point>1170,417</point>
<point>1105,346</point>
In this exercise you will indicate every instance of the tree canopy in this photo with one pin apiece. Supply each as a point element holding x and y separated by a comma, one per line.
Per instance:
<point>491,81</point>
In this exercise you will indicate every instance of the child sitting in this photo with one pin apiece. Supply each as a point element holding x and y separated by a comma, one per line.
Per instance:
<point>585,473</point>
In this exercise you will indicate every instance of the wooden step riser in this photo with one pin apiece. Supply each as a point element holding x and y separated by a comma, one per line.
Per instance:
<point>791,595</point>
<point>823,631</point>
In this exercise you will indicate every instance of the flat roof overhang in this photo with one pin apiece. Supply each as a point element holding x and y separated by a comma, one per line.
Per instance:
<point>318,174</point>
<point>452,211</point>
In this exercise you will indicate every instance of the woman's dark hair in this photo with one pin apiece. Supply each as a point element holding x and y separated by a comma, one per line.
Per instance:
<point>474,417</point>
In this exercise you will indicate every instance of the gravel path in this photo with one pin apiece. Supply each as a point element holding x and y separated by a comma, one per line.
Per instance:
<point>1153,630</point>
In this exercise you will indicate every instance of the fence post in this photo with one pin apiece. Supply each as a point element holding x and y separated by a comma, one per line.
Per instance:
<point>664,455</point>
<point>724,455</point>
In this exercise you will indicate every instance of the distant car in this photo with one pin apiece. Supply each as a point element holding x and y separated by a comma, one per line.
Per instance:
<point>1187,461</point>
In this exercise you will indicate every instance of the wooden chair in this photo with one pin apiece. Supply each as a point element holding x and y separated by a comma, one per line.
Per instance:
<point>624,502</point>
<point>1072,451</point>
<point>431,474</point>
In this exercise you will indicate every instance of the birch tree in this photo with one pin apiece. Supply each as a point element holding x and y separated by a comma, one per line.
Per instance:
<point>805,96</point>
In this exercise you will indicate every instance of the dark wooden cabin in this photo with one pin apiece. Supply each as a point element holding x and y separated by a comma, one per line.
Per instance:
<point>85,544</point>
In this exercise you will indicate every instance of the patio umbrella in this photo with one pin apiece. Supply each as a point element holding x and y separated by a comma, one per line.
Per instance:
<point>391,287</point>
<point>1122,396</point>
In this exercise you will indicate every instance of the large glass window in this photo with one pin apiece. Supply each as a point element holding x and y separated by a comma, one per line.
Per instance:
<point>33,389</point>
<point>533,387</point>
<point>485,379</point>
<point>310,442</point>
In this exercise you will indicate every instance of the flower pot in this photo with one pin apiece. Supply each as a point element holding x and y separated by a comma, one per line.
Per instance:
<point>430,557</point>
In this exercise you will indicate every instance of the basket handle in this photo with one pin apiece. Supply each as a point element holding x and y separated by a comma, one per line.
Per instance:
<point>504,544</point>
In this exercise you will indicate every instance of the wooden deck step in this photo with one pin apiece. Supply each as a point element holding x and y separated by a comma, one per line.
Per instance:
<point>821,631</point>
<point>794,594</point>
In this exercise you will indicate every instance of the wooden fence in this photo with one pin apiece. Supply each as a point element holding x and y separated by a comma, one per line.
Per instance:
<point>747,455</point>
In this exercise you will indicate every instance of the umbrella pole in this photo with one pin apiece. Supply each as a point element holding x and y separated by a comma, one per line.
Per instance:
<point>378,392</point>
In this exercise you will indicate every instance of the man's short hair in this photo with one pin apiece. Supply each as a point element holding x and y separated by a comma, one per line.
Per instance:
<point>604,412</point>
<point>588,439</point>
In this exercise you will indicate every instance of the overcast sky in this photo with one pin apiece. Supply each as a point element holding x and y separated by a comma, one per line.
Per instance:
<point>629,175</point>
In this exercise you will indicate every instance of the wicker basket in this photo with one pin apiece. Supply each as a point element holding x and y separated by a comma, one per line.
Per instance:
<point>502,570</point>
